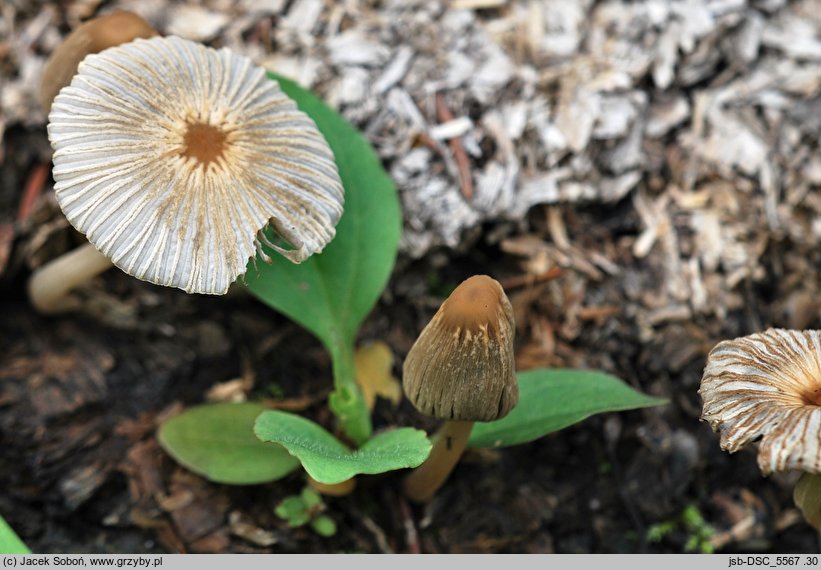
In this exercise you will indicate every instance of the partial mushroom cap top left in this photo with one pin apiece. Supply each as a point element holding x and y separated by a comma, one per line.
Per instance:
<point>109,30</point>
<point>767,386</point>
<point>171,158</point>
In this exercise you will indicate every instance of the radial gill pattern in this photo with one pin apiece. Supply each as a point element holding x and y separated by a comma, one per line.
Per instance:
<point>171,157</point>
<point>768,385</point>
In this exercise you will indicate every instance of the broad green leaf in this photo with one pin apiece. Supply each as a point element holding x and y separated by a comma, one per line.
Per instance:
<point>331,293</point>
<point>10,543</point>
<point>551,399</point>
<point>217,441</point>
<point>329,461</point>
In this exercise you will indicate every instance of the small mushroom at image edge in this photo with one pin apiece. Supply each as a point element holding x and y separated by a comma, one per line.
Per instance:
<point>172,158</point>
<point>461,370</point>
<point>109,30</point>
<point>767,387</point>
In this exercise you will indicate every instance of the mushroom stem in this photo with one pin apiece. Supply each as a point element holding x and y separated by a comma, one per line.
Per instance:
<point>425,480</point>
<point>807,497</point>
<point>346,487</point>
<point>49,285</point>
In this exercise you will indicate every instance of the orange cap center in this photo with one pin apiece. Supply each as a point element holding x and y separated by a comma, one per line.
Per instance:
<point>474,303</point>
<point>203,142</point>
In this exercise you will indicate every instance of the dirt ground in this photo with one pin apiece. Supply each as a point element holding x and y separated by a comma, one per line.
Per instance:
<point>694,251</point>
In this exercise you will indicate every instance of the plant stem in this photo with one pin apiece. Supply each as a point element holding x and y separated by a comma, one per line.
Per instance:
<point>425,480</point>
<point>346,402</point>
<point>807,497</point>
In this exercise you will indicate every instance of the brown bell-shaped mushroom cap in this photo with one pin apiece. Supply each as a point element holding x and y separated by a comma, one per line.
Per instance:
<point>171,157</point>
<point>94,36</point>
<point>767,385</point>
<point>461,366</point>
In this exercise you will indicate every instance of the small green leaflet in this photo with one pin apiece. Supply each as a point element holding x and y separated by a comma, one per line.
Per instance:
<point>329,461</point>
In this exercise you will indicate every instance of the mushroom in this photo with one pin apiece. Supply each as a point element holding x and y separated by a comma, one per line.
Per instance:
<point>172,157</point>
<point>342,489</point>
<point>461,369</point>
<point>767,386</point>
<point>94,36</point>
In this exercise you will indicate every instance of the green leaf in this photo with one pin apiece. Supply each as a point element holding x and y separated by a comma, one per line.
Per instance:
<point>310,498</point>
<point>331,293</point>
<point>324,525</point>
<point>329,461</point>
<point>10,543</point>
<point>217,441</point>
<point>299,519</point>
<point>552,399</point>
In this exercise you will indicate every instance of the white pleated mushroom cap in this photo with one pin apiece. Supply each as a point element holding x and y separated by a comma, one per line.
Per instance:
<point>171,158</point>
<point>768,386</point>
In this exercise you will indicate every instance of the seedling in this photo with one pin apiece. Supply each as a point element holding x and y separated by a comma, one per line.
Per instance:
<point>690,520</point>
<point>306,508</point>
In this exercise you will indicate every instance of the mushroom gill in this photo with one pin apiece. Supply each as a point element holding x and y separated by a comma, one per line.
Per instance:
<point>171,157</point>
<point>767,385</point>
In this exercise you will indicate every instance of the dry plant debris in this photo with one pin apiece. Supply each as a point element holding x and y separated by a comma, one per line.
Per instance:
<point>702,114</point>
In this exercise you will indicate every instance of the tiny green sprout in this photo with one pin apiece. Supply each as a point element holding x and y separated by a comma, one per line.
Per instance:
<point>691,521</point>
<point>701,533</point>
<point>306,508</point>
<point>659,531</point>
